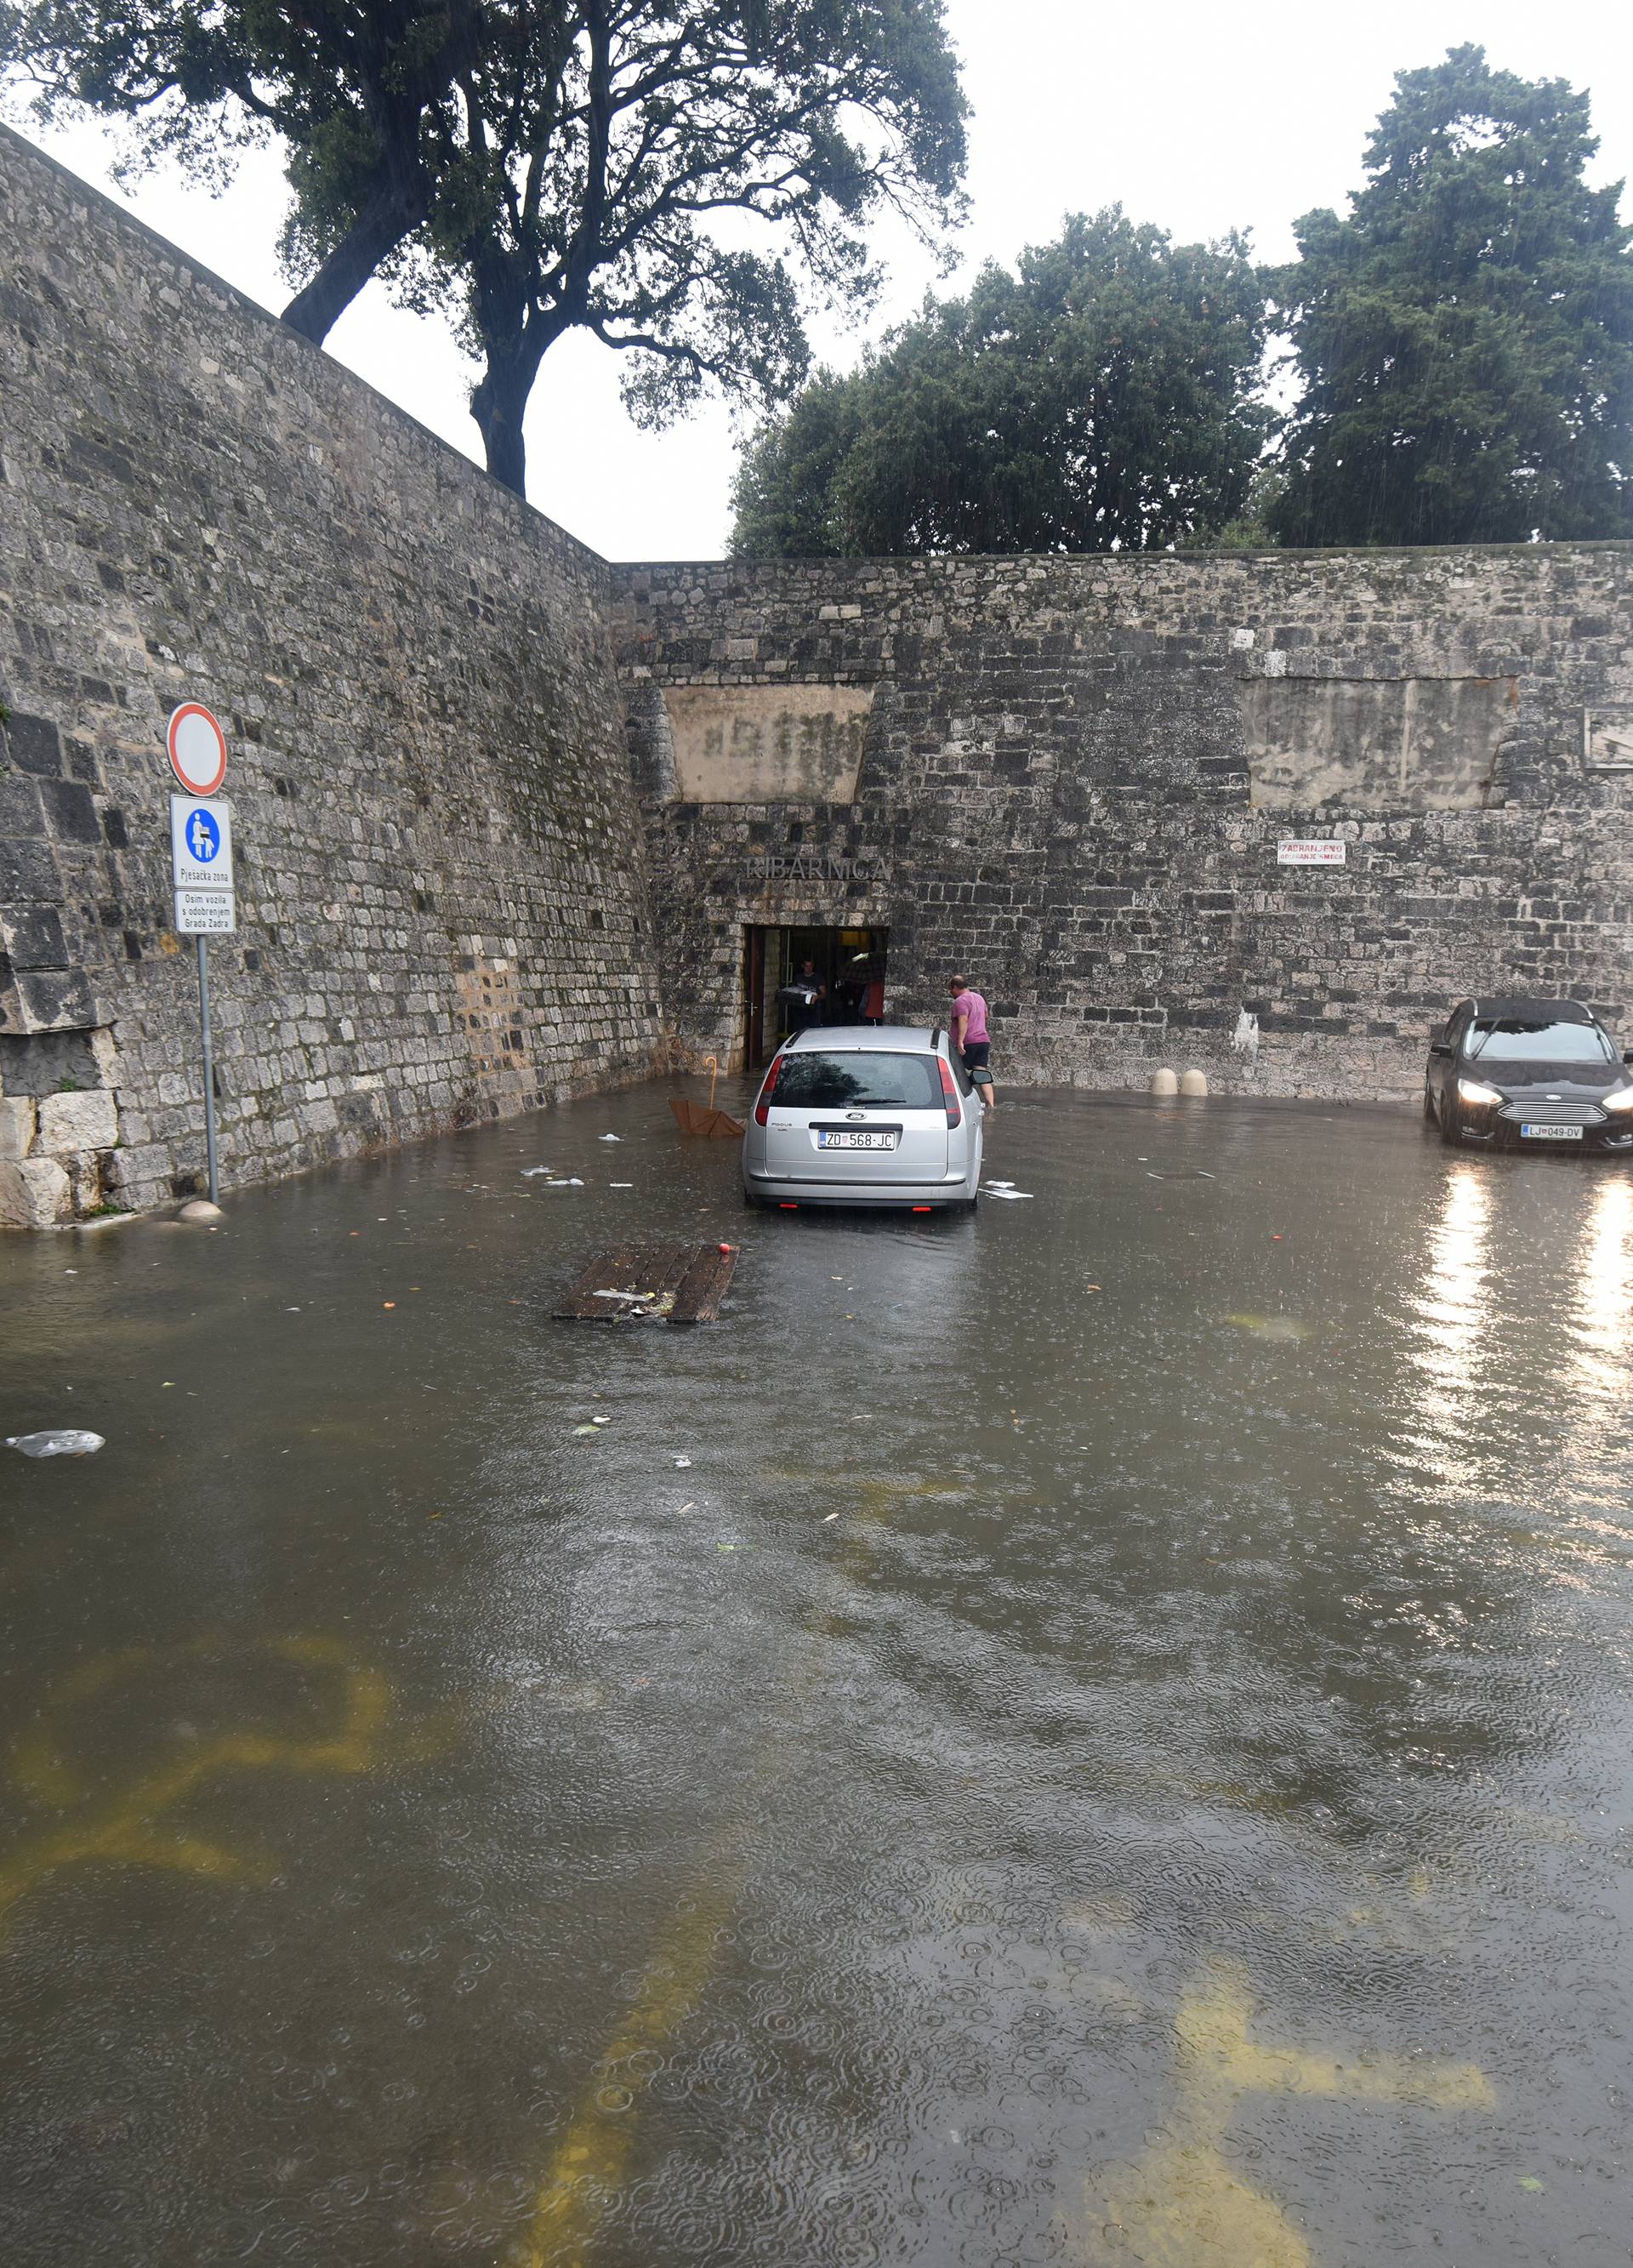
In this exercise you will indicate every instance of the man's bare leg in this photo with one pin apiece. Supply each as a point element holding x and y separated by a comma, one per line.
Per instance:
<point>983,1087</point>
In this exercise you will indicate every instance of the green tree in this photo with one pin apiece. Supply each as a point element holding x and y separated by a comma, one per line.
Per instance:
<point>1464,338</point>
<point>1102,399</point>
<point>364,98</point>
<point>676,177</point>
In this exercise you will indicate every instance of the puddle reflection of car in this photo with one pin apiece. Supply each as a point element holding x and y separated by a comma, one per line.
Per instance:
<point>865,1114</point>
<point>1528,1074</point>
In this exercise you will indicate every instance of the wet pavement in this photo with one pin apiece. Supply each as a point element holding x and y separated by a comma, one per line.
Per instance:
<point>1115,1748</point>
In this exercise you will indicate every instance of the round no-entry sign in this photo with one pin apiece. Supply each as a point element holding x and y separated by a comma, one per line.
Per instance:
<point>198,748</point>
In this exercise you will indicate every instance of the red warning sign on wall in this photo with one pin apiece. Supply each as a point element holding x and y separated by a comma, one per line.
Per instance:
<point>198,748</point>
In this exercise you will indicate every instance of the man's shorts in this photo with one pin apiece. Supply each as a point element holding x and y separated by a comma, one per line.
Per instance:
<point>975,1059</point>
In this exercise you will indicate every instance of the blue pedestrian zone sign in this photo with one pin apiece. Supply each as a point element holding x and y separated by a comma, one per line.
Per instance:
<point>200,864</point>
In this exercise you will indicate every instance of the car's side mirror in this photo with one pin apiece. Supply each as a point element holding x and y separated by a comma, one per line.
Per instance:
<point>1440,1047</point>
<point>1627,1055</point>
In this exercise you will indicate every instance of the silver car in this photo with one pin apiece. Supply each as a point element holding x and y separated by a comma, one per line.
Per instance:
<point>865,1114</point>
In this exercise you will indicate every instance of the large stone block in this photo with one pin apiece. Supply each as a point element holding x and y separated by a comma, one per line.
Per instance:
<point>47,1000</point>
<point>28,869</point>
<point>85,1182</point>
<point>77,1121</point>
<point>21,812</point>
<point>34,745</point>
<point>137,1175</point>
<point>31,936</point>
<point>70,814</point>
<point>34,1193</point>
<point>18,1117</point>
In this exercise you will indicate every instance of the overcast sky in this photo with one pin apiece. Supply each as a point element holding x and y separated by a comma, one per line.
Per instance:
<point>1196,117</point>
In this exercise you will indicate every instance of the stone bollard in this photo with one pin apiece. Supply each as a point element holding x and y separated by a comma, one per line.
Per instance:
<point>1193,1082</point>
<point>200,1209</point>
<point>1162,1082</point>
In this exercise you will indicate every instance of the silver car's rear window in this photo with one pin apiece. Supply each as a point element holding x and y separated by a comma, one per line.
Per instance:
<point>869,1079</point>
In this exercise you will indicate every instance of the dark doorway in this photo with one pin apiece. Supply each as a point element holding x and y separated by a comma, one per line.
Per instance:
<point>798,976</point>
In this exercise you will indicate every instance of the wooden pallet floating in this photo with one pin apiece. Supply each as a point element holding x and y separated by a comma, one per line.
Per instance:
<point>651,1284</point>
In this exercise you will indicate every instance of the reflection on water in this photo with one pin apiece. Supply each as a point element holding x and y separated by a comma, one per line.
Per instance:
<point>1601,1330</point>
<point>1450,1329</point>
<point>1519,1334</point>
<point>1112,1748</point>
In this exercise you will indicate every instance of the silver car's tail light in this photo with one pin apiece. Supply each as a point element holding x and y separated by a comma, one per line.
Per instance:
<point>949,1093</point>
<point>762,1109</point>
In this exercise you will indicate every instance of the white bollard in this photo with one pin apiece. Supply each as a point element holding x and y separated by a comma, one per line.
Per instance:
<point>200,1209</point>
<point>1193,1082</point>
<point>1162,1082</point>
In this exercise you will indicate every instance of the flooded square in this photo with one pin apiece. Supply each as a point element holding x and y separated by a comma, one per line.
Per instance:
<point>1094,1733</point>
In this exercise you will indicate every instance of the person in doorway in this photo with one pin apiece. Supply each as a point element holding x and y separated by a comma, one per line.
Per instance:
<point>873,997</point>
<point>807,1010</point>
<point>971,1038</point>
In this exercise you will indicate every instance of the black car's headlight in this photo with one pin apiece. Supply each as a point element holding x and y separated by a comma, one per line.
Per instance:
<point>1621,1102</point>
<point>1474,1091</point>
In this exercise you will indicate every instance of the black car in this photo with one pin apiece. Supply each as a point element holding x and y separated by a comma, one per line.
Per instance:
<point>1522,1074</point>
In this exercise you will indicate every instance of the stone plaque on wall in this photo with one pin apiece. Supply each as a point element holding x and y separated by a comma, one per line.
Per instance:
<point>1374,743</point>
<point>767,743</point>
<point>1607,738</point>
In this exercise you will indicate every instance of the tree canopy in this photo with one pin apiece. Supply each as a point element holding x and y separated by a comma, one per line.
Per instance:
<point>363,96</point>
<point>679,177</point>
<point>1463,339</point>
<point>1100,399</point>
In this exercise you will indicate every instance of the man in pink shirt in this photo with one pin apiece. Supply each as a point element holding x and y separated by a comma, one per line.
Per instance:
<point>971,1037</point>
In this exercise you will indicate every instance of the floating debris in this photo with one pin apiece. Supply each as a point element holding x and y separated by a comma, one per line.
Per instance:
<point>68,1442</point>
<point>1282,1329</point>
<point>651,1283</point>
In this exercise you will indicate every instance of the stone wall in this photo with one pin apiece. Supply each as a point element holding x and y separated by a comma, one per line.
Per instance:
<point>441,887</point>
<point>1077,774</point>
<point>1070,778</point>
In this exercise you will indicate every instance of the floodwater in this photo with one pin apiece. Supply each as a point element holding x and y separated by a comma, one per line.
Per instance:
<point>1115,1748</point>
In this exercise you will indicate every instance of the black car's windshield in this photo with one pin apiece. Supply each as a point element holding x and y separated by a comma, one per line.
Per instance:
<point>870,1079</point>
<point>1528,1040</point>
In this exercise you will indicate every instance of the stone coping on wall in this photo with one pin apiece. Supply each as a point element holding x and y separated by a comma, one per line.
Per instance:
<point>1198,555</point>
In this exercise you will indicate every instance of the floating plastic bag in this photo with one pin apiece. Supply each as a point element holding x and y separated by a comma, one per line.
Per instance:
<point>67,1443</point>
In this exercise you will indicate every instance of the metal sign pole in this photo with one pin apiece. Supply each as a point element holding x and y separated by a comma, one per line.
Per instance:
<point>210,1065</point>
<point>201,867</point>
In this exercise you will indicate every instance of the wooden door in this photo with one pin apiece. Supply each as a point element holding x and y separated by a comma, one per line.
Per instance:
<point>753,997</point>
